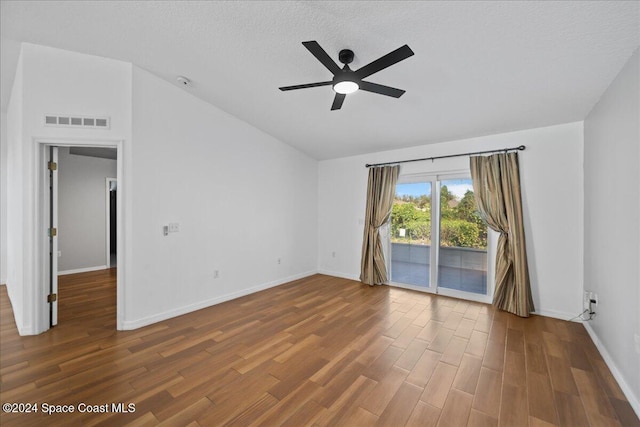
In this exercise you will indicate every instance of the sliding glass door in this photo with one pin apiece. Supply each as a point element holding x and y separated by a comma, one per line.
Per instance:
<point>411,234</point>
<point>438,240</point>
<point>462,251</point>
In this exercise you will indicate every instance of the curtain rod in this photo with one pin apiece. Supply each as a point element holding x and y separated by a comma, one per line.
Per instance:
<point>520,148</point>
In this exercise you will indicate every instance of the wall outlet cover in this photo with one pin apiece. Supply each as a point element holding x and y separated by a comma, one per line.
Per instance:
<point>585,300</point>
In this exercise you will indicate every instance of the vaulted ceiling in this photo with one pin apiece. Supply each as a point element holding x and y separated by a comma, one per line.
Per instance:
<point>479,67</point>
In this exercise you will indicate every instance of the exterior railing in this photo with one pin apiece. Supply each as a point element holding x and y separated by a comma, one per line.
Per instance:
<point>455,257</point>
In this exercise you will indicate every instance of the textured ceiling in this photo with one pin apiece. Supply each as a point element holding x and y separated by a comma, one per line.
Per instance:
<point>479,67</point>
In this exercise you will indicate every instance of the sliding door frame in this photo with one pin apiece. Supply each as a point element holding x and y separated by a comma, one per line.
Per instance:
<point>435,180</point>
<point>414,179</point>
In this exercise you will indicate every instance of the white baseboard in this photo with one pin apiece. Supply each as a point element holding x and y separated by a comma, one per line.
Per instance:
<point>634,401</point>
<point>82,270</point>
<point>340,275</point>
<point>145,321</point>
<point>555,314</point>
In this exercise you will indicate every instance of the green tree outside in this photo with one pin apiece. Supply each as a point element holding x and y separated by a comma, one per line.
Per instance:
<point>460,223</point>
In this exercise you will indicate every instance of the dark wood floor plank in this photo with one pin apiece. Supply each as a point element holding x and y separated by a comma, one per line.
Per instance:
<point>347,403</point>
<point>494,355</point>
<point>487,396</point>
<point>513,406</point>
<point>597,405</point>
<point>412,354</point>
<point>480,419</point>
<point>384,391</point>
<point>424,415</point>
<point>540,396</point>
<point>401,406</point>
<point>456,409</point>
<point>515,371</point>
<point>437,390</point>
<point>379,367</point>
<point>570,410</point>
<point>423,369</point>
<point>467,376</point>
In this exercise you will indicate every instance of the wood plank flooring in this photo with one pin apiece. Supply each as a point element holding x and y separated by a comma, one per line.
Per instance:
<point>320,351</point>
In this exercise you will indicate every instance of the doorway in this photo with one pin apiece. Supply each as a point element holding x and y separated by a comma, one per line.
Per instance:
<point>439,243</point>
<point>46,305</point>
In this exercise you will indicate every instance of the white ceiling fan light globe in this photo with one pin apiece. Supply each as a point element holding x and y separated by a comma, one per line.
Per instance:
<point>346,87</point>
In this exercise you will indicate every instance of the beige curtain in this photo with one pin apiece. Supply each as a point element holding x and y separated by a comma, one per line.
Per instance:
<point>381,191</point>
<point>496,184</point>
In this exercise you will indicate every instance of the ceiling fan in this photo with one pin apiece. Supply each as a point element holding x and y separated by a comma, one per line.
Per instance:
<point>345,80</point>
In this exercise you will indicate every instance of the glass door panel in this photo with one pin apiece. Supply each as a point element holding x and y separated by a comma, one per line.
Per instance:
<point>411,234</point>
<point>462,249</point>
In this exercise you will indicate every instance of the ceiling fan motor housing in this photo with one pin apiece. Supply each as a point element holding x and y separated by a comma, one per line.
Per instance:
<point>347,75</point>
<point>346,56</point>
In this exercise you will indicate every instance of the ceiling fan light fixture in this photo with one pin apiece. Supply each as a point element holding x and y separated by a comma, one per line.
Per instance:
<point>345,80</point>
<point>346,87</point>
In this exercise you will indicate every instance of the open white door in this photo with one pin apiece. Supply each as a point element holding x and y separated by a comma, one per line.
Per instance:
<point>52,298</point>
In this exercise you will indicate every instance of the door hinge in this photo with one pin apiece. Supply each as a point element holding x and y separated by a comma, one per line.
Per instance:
<point>52,166</point>
<point>52,298</point>
<point>53,232</point>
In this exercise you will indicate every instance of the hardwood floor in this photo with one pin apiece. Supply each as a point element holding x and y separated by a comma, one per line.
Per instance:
<point>318,351</point>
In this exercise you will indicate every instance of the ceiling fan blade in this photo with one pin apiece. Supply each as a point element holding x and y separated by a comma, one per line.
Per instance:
<point>305,86</point>
<point>322,56</point>
<point>388,60</point>
<point>337,101</point>
<point>381,89</point>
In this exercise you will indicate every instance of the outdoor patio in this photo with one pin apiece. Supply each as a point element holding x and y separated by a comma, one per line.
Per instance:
<point>463,269</point>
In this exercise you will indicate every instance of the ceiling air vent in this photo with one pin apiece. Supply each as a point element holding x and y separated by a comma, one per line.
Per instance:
<point>73,121</point>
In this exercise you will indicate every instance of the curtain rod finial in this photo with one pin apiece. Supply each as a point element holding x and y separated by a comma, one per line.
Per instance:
<point>522,147</point>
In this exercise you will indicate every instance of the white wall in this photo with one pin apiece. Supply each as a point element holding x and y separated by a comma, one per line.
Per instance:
<point>612,232</point>
<point>3,197</point>
<point>552,192</point>
<point>82,212</point>
<point>51,81</point>
<point>16,287</point>
<point>242,199</point>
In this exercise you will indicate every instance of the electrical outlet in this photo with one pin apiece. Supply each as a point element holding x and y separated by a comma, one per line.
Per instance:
<point>216,274</point>
<point>586,299</point>
<point>174,227</point>
<point>279,260</point>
